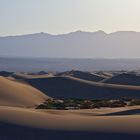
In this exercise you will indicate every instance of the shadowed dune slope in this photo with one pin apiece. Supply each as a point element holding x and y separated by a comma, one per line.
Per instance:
<point>13,93</point>
<point>5,73</point>
<point>125,79</point>
<point>126,112</point>
<point>83,75</point>
<point>17,132</point>
<point>65,87</point>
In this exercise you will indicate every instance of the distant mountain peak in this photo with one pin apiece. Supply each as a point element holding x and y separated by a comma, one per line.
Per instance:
<point>101,31</point>
<point>80,32</point>
<point>124,32</point>
<point>42,34</point>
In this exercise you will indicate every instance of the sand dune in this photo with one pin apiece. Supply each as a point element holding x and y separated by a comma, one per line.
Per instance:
<point>83,75</point>
<point>13,93</point>
<point>105,74</point>
<point>68,120</point>
<point>71,87</point>
<point>124,79</point>
<point>5,73</point>
<point>19,120</point>
<point>23,76</point>
<point>63,125</point>
<point>126,112</point>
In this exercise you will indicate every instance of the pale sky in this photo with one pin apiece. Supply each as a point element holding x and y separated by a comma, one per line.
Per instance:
<point>62,16</point>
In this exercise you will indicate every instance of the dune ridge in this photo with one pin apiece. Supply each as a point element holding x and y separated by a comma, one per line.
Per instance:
<point>83,75</point>
<point>124,79</point>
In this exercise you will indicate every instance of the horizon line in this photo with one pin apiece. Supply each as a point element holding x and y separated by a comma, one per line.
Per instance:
<point>53,34</point>
<point>99,58</point>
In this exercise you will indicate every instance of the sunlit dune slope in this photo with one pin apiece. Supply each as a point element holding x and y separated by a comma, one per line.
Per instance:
<point>71,120</point>
<point>67,124</point>
<point>13,93</point>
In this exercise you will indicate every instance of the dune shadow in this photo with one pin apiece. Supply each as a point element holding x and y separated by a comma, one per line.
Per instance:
<point>15,132</point>
<point>126,112</point>
<point>124,79</point>
<point>61,87</point>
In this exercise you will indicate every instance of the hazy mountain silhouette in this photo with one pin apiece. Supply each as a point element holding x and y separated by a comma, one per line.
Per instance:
<point>76,44</point>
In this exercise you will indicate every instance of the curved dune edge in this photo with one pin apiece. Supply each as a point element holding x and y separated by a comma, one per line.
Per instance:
<point>83,75</point>
<point>29,76</point>
<point>124,79</point>
<point>61,120</point>
<point>107,85</point>
<point>17,94</point>
<point>64,87</point>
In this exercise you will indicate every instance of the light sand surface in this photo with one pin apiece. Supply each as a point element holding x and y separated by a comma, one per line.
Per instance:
<point>30,124</point>
<point>81,120</point>
<point>13,93</point>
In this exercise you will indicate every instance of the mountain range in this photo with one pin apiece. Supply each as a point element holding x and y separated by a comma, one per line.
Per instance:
<point>79,44</point>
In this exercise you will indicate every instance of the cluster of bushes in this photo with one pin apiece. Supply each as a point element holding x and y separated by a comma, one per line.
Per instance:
<point>109,103</point>
<point>51,104</point>
<point>80,104</point>
<point>135,102</point>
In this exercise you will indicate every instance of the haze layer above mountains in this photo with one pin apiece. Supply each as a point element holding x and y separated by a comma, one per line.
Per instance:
<point>122,44</point>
